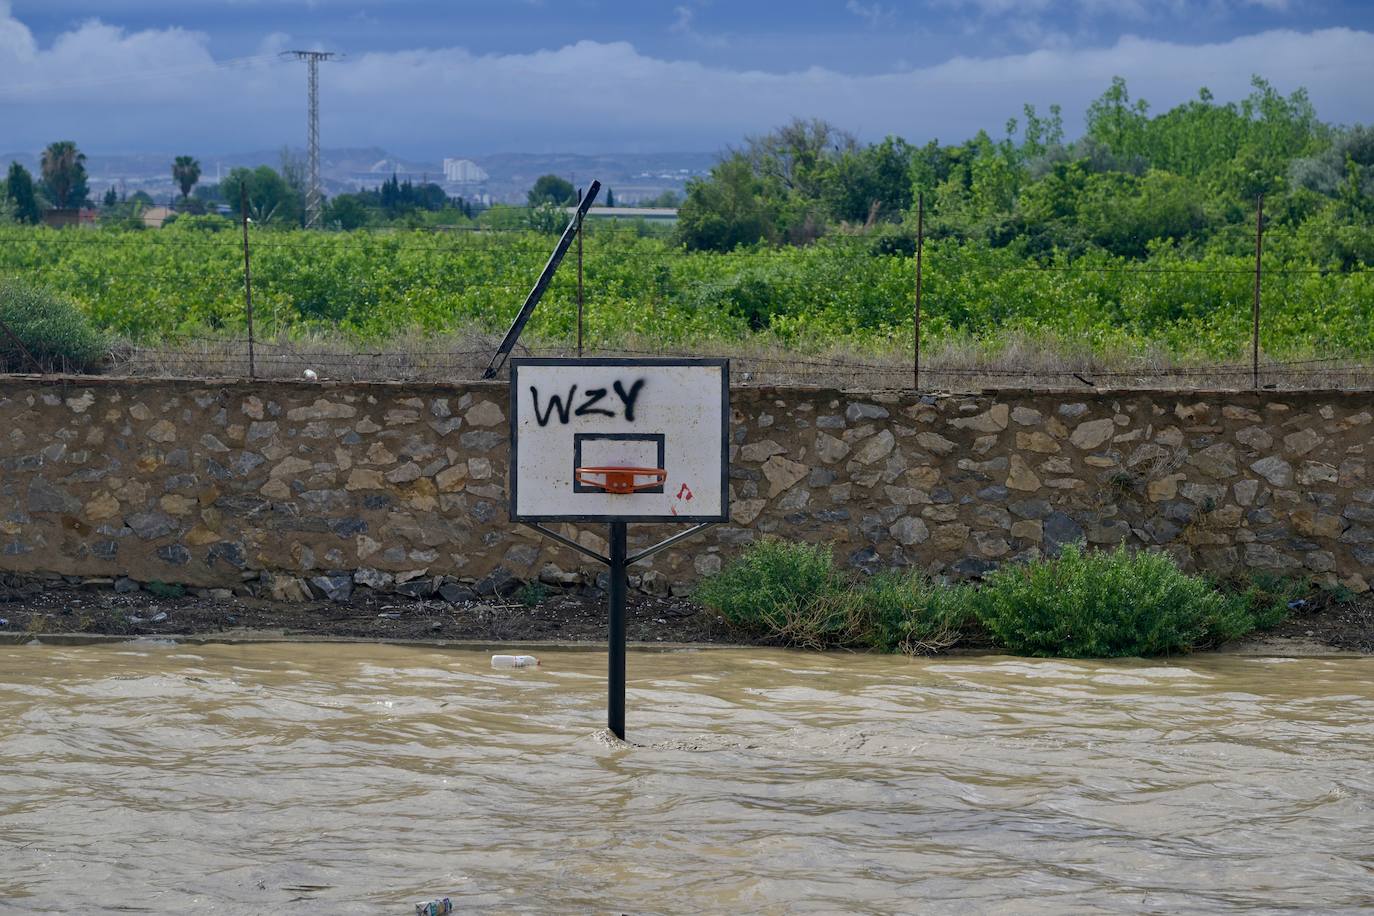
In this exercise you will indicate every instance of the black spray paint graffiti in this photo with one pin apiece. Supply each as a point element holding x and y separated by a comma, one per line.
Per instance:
<point>563,407</point>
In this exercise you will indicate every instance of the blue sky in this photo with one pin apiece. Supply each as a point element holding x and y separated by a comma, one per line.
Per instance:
<point>464,77</point>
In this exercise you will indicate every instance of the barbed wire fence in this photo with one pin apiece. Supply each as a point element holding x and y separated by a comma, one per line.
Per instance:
<point>220,347</point>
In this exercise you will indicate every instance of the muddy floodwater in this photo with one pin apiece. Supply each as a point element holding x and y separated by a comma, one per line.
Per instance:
<point>318,778</point>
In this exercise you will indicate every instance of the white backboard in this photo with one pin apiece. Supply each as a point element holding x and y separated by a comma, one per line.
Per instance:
<point>650,413</point>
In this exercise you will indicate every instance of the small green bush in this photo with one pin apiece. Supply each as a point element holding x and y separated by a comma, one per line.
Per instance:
<point>776,587</point>
<point>163,590</point>
<point>52,329</point>
<point>909,613</point>
<point>1112,604</point>
<point>1078,605</point>
<point>1261,604</point>
<point>793,592</point>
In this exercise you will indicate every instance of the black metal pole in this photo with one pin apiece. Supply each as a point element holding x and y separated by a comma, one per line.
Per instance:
<point>579,274</point>
<point>1255,308</point>
<point>615,675</point>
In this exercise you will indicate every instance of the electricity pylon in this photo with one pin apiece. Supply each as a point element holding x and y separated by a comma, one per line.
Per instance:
<point>314,196</point>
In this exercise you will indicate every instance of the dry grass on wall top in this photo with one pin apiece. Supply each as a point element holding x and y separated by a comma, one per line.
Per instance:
<point>1010,361</point>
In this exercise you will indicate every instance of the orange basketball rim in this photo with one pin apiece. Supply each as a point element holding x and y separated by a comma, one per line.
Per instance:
<point>621,479</point>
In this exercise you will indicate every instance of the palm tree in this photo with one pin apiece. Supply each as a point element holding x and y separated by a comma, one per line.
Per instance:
<point>186,172</point>
<point>64,171</point>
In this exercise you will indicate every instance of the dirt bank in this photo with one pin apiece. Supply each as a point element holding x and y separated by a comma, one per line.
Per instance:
<point>29,607</point>
<point>1344,625</point>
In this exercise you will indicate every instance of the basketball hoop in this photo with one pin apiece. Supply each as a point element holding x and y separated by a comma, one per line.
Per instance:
<point>620,479</point>
<point>595,440</point>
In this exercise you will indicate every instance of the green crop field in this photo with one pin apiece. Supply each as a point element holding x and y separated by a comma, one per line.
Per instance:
<point>152,286</point>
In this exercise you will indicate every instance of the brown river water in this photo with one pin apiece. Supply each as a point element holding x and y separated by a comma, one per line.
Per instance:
<point>346,778</point>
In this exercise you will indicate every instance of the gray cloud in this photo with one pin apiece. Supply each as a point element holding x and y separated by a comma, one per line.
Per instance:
<point>158,90</point>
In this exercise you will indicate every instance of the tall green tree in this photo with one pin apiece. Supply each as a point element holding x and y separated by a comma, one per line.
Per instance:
<point>64,174</point>
<point>728,209</point>
<point>550,189</point>
<point>346,211</point>
<point>798,153</point>
<point>1117,122</point>
<point>185,172</point>
<point>270,199</point>
<point>870,184</point>
<point>293,172</point>
<point>19,190</point>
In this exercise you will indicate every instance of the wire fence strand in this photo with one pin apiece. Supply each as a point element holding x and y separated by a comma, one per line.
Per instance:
<point>208,269</point>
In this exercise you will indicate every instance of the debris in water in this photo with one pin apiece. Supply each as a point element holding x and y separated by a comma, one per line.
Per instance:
<point>434,907</point>
<point>514,661</point>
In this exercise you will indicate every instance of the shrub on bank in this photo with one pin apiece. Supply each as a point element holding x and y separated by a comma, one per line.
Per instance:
<point>781,588</point>
<point>50,328</point>
<point>792,592</point>
<point>910,613</point>
<point>1099,604</point>
<point>1077,605</point>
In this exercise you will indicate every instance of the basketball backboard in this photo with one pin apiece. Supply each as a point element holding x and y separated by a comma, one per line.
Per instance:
<point>619,440</point>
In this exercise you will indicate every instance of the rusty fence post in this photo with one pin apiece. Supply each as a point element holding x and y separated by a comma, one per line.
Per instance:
<point>247,276</point>
<point>916,317</point>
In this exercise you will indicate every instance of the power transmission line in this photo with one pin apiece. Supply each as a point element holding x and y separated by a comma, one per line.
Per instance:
<point>314,195</point>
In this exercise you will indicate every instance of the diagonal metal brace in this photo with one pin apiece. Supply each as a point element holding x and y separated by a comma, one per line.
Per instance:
<point>574,227</point>
<point>669,542</point>
<point>567,542</point>
<point>642,555</point>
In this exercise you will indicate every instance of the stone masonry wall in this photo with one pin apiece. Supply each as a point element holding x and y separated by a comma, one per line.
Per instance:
<point>281,488</point>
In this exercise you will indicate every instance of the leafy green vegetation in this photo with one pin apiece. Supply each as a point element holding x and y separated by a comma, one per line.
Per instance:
<point>1137,237</point>
<point>370,285</point>
<point>532,594</point>
<point>1097,604</point>
<point>163,590</point>
<point>793,592</point>
<point>551,189</point>
<point>50,328</point>
<point>185,172</point>
<point>772,585</point>
<point>20,195</point>
<point>1077,605</point>
<point>64,175</point>
<point>1188,178</point>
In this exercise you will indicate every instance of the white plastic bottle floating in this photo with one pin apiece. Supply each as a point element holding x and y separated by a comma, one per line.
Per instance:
<point>514,661</point>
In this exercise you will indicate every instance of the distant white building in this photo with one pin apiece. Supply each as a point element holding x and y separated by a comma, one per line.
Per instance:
<point>464,171</point>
